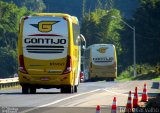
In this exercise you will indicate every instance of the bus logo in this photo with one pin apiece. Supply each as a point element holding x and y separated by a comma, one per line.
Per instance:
<point>45,26</point>
<point>102,49</point>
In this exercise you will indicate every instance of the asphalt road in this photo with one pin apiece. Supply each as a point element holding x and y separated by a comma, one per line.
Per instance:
<point>90,94</point>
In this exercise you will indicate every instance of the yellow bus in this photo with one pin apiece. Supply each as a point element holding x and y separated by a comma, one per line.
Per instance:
<point>100,62</point>
<point>49,52</point>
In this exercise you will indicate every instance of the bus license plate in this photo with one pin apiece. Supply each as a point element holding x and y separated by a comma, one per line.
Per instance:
<point>45,78</point>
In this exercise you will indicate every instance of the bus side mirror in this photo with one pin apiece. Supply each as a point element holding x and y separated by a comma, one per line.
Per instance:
<point>83,47</point>
<point>83,41</point>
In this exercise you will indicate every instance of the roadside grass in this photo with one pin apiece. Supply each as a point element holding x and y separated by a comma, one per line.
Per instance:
<point>158,79</point>
<point>148,76</point>
<point>144,72</point>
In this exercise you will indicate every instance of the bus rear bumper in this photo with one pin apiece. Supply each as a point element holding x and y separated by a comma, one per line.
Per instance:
<point>45,81</point>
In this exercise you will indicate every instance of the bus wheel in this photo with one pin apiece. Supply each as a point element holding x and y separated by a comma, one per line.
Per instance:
<point>111,79</point>
<point>75,89</point>
<point>71,89</point>
<point>32,90</point>
<point>63,89</point>
<point>67,89</point>
<point>25,90</point>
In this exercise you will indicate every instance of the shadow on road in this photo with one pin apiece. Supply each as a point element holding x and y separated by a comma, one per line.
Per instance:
<point>156,85</point>
<point>103,109</point>
<point>19,93</point>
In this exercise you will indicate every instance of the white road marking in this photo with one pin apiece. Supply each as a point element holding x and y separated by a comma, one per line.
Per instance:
<point>57,101</point>
<point>115,92</point>
<point>60,100</point>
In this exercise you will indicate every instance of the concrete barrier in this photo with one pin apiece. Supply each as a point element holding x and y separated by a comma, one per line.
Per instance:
<point>9,82</point>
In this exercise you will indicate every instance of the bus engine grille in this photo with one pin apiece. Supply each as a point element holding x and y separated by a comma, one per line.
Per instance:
<point>44,49</point>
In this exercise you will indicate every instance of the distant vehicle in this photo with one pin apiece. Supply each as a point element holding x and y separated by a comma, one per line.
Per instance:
<point>100,62</point>
<point>49,52</point>
<point>81,76</point>
<point>16,75</point>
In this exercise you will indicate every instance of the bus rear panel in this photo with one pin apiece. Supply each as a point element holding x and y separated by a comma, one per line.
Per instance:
<point>47,53</point>
<point>100,62</point>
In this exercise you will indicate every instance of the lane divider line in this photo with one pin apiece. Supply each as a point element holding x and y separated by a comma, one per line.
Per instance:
<point>115,92</point>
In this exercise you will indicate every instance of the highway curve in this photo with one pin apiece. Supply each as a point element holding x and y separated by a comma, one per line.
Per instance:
<point>90,94</point>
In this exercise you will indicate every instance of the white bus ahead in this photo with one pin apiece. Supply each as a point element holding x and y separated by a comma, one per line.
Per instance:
<point>100,62</point>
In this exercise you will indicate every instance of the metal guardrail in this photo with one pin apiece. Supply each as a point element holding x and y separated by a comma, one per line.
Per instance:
<point>8,82</point>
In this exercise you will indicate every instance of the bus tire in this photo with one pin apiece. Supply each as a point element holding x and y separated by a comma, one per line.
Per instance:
<point>32,90</point>
<point>111,79</point>
<point>75,89</point>
<point>63,89</point>
<point>25,90</point>
<point>70,89</point>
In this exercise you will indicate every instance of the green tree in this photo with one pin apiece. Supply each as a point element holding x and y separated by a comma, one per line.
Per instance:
<point>10,15</point>
<point>147,24</point>
<point>100,27</point>
<point>33,5</point>
<point>109,27</point>
<point>147,31</point>
<point>8,62</point>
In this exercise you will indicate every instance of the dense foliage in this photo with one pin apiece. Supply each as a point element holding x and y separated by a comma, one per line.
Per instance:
<point>100,27</point>
<point>97,25</point>
<point>147,22</point>
<point>10,15</point>
<point>147,25</point>
<point>33,5</point>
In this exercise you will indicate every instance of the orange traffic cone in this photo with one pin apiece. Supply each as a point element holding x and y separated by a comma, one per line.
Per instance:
<point>144,94</point>
<point>136,90</point>
<point>135,99</point>
<point>98,109</point>
<point>129,104</point>
<point>114,106</point>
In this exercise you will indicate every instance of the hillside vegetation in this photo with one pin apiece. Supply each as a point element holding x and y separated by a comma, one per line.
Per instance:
<point>97,25</point>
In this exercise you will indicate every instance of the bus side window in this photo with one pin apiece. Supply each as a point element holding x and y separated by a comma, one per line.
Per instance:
<point>76,32</point>
<point>91,64</point>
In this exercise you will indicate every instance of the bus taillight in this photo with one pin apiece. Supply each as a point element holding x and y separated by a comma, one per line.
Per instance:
<point>65,18</point>
<point>26,17</point>
<point>21,66</point>
<point>68,65</point>
<point>114,65</point>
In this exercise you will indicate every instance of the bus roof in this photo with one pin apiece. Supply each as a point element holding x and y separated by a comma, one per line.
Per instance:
<point>99,45</point>
<point>74,19</point>
<point>52,14</point>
